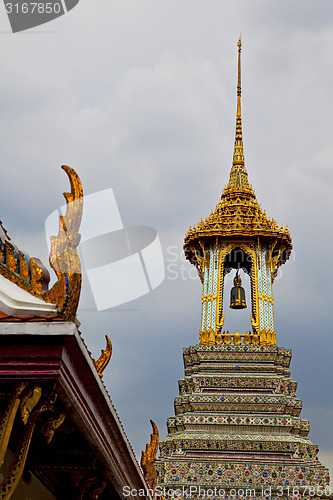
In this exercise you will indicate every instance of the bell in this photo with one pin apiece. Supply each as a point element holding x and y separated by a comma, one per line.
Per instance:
<point>237,294</point>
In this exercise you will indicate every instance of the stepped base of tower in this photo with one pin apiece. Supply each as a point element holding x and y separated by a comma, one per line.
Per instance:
<point>237,428</point>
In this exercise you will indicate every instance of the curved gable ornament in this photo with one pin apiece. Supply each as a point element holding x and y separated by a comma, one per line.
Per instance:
<point>148,458</point>
<point>24,281</point>
<point>64,258</point>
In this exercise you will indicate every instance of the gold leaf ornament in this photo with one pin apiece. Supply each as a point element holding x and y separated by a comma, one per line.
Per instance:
<point>102,362</point>
<point>148,458</point>
<point>64,258</point>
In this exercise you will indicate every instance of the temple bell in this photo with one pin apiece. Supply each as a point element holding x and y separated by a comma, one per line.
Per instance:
<point>237,294</point>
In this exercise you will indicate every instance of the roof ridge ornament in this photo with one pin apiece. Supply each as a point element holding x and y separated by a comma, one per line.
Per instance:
<point>148,458</point>
<point>102,362</point>
<point>64,258</point>
<point>61,301</point>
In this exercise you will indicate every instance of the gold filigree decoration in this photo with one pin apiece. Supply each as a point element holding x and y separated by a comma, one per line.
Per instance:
<point>209,337</point>
<point>27,273</point>
<point>237,338</point>
<point>220,322</point>
<point>7,420</point>
<point>31,406</point>
<point>251,249</point>
<point>148,459</point>
<point>51,425</point>
<point>238,221</point>
<point>102,362</point>
<point>92,486</point>
<point>30,274</point>
<point>12,479</point>
<point>276,261</point>
<point>29,401</point>
<point>64,258</point>
<point>238,213</point>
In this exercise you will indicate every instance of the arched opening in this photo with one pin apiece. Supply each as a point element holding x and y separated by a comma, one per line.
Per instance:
<point>239,319</point>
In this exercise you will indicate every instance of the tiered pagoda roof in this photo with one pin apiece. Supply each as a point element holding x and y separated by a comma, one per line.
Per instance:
<point>238,213</point>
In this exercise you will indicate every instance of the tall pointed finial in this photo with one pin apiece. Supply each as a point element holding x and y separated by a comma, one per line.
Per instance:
<point>239,84</point>
<point>238,161</point>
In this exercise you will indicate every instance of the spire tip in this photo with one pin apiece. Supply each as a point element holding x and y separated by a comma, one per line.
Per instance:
<point>238,160</point>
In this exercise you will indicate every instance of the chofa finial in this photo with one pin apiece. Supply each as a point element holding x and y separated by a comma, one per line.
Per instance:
<point>64,257</point>
<point>102,362</point>
<point>148,459</point>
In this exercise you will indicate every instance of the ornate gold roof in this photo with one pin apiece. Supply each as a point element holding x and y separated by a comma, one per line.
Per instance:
<point>30,275</point>
<point>238,213</point>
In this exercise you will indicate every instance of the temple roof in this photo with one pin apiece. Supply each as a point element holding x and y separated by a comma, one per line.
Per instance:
<point>14,301</point>
<point>238,213</point>
<point>91,439</point>
<point>24,281</point>
<point>45,367</point>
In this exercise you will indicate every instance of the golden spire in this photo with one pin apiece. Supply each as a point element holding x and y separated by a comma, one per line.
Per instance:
<point>238,161</point>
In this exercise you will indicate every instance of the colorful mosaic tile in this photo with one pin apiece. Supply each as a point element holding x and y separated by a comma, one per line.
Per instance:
<point>237,423</point>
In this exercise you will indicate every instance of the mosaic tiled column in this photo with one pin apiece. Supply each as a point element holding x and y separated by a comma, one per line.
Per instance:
<point>265,294</point>
<point>209,317</point>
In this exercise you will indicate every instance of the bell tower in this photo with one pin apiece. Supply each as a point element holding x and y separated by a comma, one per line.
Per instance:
<point>237,431</point>
<point>238,235</point>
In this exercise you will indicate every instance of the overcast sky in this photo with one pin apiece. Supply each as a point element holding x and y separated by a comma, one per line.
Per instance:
<point>140,96</point>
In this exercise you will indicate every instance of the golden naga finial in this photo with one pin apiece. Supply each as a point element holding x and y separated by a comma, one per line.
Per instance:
<point>148,458</point>
<point>64,257</point>
<point>238,161</point>
<point>102,362</point>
